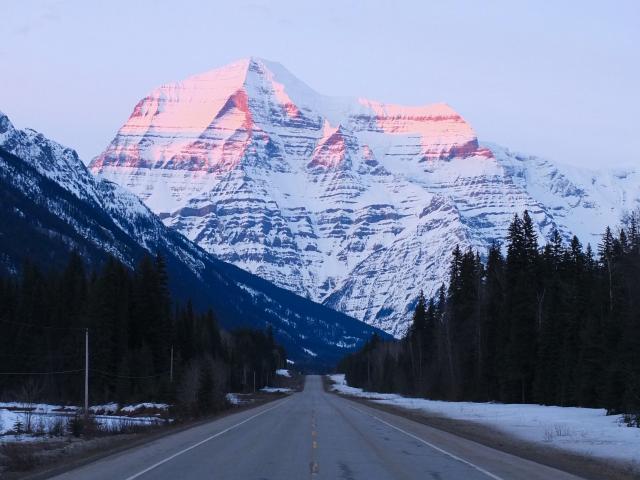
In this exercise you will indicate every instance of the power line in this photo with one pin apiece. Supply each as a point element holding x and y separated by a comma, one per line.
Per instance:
<point>39,355</point>
<point>43,373</point>
<point>129,376</point>
<point>33,325</point>
<point>99,372</point>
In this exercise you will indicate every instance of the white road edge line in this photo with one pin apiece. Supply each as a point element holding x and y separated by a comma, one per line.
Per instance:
<point>168,459</point>
<point>415,437</point>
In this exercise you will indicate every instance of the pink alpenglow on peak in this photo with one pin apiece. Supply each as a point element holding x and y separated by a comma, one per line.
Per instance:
<point>209,122</point>
<point>201,123</point>
<point>442,132</point>
<point>331,149</point>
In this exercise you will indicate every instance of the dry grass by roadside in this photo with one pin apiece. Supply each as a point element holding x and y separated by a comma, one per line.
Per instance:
<point>17,457</point>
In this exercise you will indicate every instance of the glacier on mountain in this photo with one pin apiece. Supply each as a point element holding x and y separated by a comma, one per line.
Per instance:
<point>350,202</point>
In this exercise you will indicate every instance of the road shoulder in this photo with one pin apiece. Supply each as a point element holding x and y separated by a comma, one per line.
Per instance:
<point>576,464</point>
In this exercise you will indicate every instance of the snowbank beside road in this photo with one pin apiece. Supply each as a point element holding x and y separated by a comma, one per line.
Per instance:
<point>275,390</point>
<point>587,431</point>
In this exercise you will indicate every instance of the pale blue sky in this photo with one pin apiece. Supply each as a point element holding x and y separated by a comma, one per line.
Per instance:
<point>559,79</point>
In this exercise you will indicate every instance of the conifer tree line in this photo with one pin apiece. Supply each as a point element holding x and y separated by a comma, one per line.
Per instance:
<point>133,324</point>
<point>557,324</point>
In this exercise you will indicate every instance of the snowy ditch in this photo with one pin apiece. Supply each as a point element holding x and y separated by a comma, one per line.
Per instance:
<point>586,431</point>
<point>276,390</point>
<point>20,422</point>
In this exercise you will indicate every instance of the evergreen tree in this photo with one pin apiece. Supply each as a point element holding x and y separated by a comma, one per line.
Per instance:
<point>521,308</point>
<point>494,327</point>
<point>417,341</point>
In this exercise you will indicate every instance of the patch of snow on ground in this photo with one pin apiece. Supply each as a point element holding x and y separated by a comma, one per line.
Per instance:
<point>145,406</point>
<point>8,419</point>
<point>290,362</point>
<point>283,372</point>
<point>106,409</point>
<point>42,422</point>
<point>37,407</point>
<point>340,386</point>
<point>239,398</point>
<point>588,431</point>
<point>42,415</point>
<point>275,390</point>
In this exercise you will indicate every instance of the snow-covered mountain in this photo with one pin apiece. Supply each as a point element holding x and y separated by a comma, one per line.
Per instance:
<point>349,202</point>
<point>51,204</point>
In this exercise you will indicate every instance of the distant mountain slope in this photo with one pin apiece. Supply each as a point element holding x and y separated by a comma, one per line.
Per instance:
<point>51,204</point>
<point>350,202</point>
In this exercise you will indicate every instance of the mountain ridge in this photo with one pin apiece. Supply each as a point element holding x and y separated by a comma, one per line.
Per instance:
<point>350,202</point>
<point>53,205</point>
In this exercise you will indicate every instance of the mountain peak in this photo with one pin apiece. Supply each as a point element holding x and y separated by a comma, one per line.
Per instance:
<point>211,121</point>
<point>6,127</point>
<point>234,75</point>
<point>255,61</point>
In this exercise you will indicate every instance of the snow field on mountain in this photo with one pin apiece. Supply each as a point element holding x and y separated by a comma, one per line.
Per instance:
<point>347,201</point>
<point>586,431</point>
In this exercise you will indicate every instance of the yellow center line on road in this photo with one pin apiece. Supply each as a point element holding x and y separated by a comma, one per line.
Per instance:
<point>314,468</point>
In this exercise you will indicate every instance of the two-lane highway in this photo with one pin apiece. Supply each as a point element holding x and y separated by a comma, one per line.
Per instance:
<point>313,435</point>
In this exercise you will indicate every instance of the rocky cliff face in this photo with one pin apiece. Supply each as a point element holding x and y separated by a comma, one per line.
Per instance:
<point>349,202</point>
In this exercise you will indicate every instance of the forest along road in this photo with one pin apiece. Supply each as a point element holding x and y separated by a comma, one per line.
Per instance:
<point>313,435</point>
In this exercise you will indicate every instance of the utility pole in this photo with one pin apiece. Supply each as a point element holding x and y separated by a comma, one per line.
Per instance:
<point>171,368</point>
<point>86,372</point>
<point>254,381</point>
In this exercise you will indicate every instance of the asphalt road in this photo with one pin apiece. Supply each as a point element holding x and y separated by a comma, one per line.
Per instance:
<point>313,435</point>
